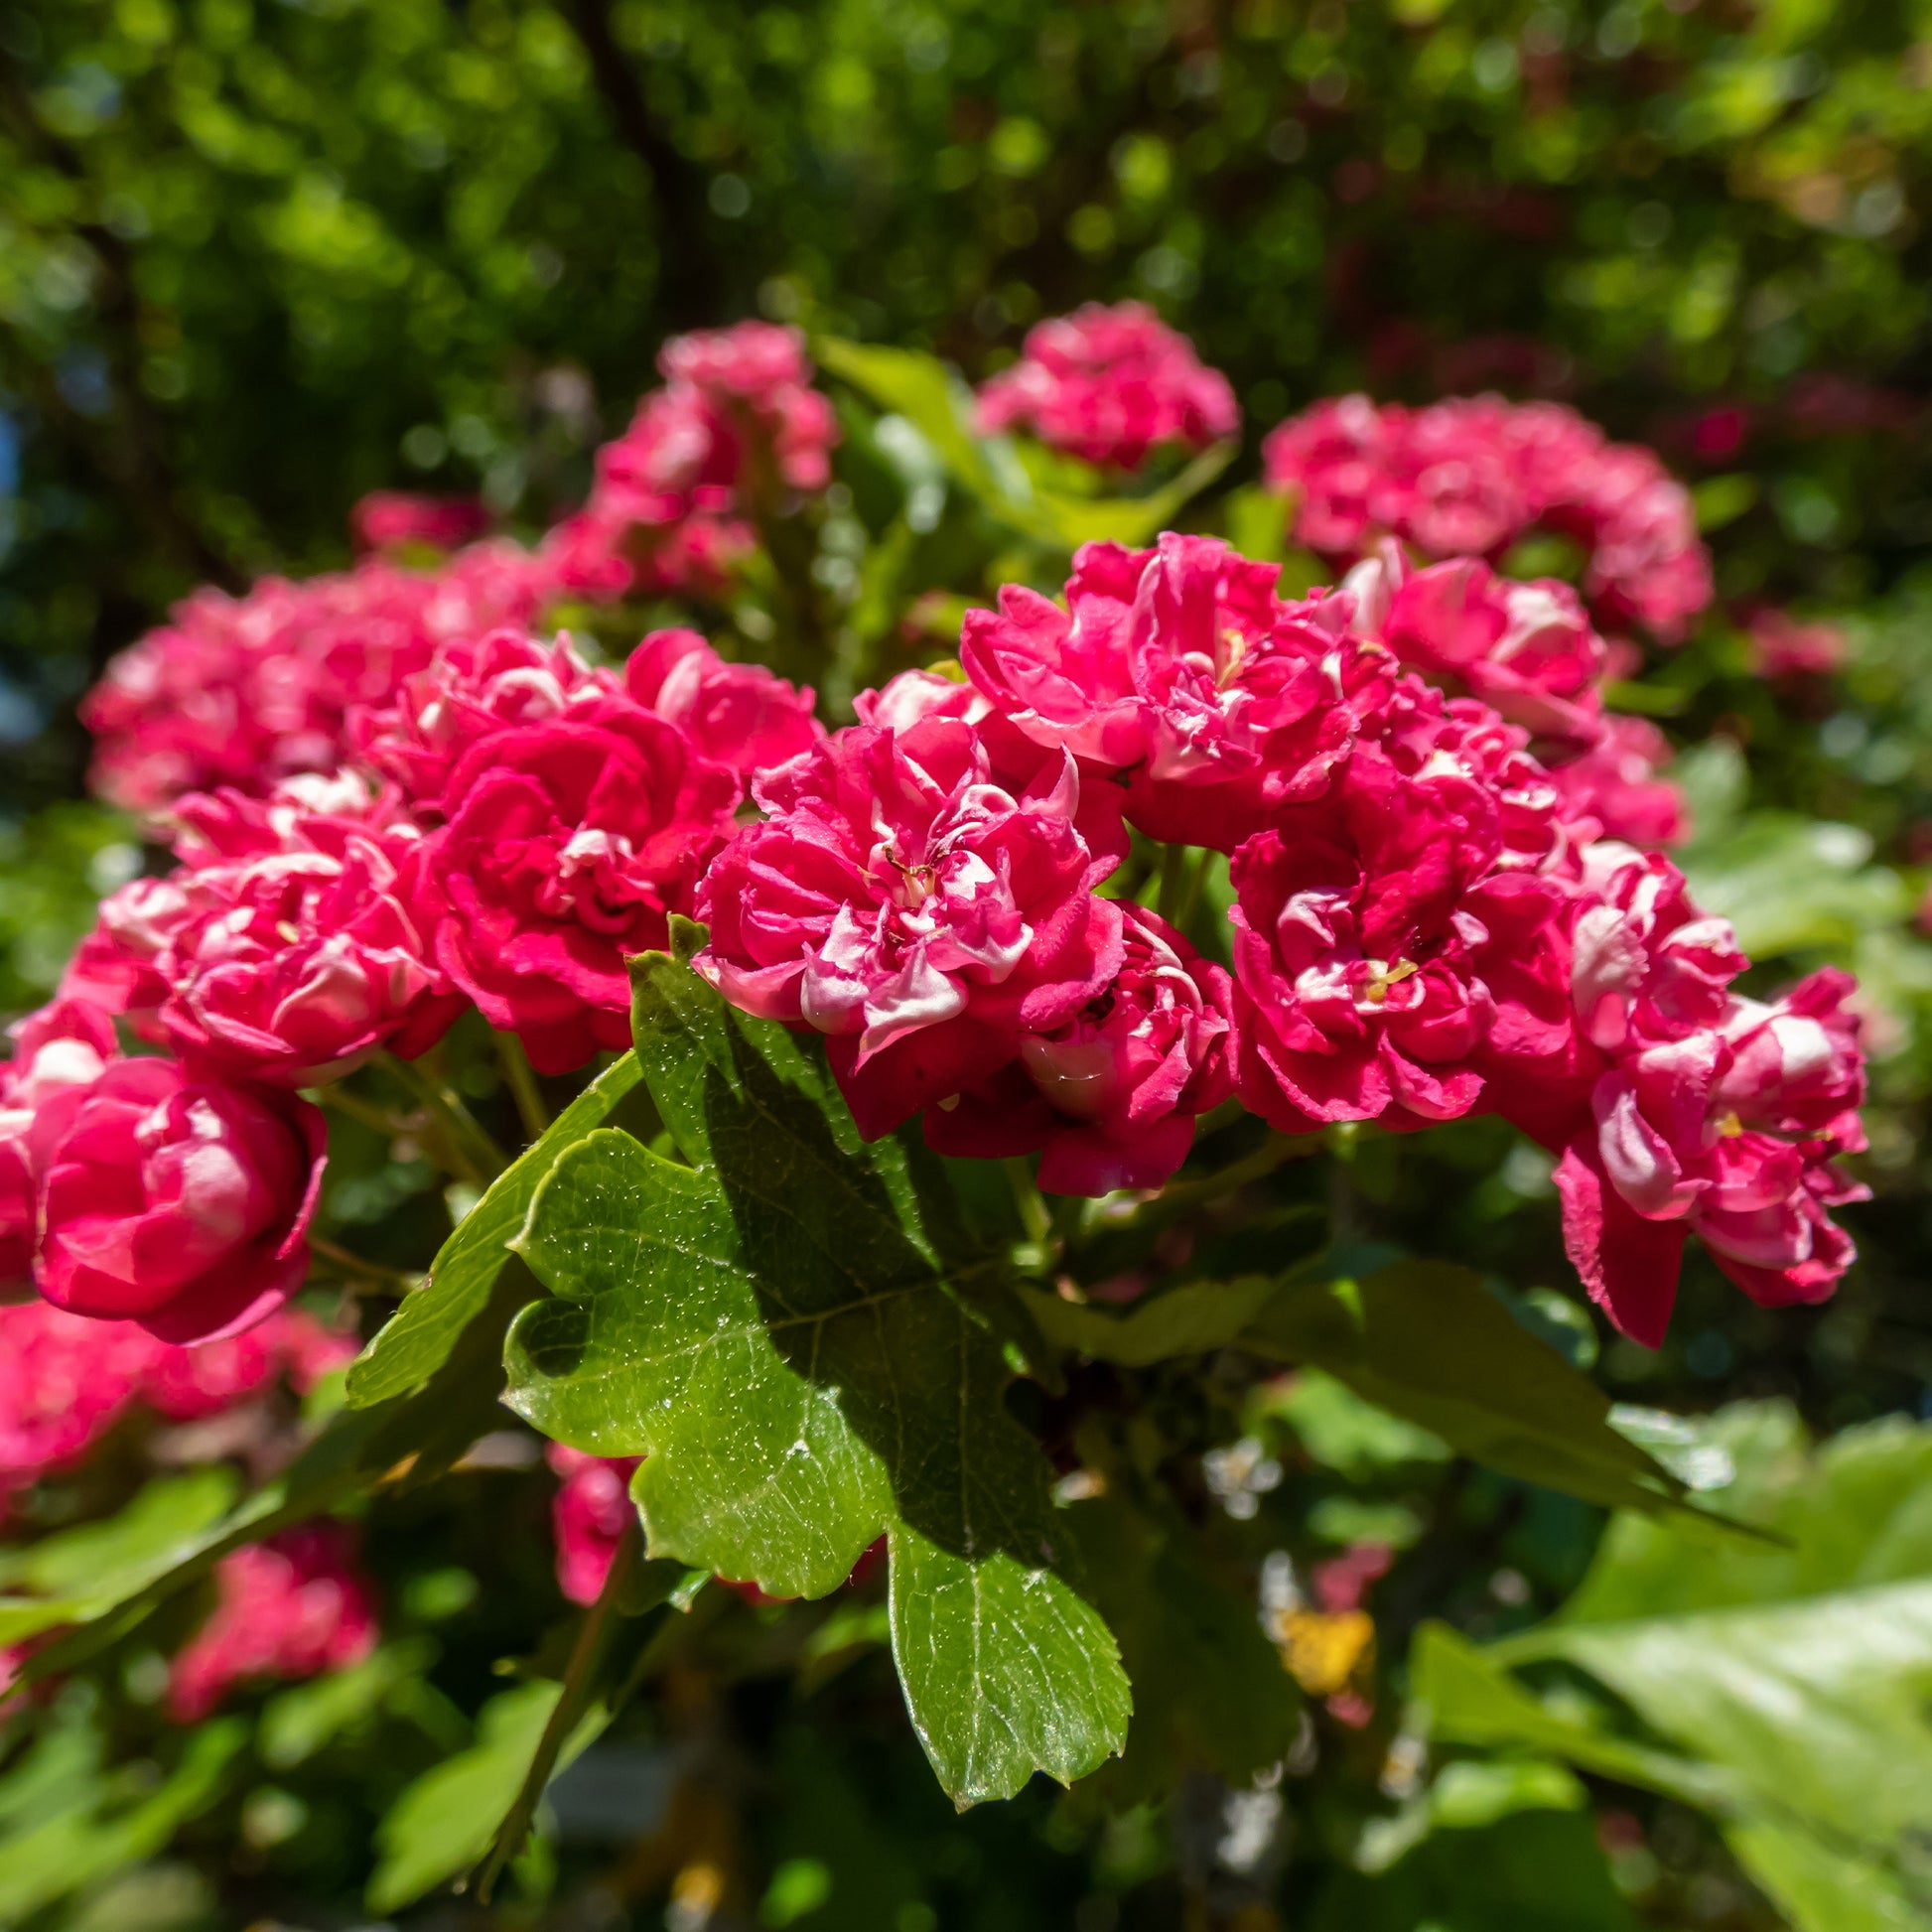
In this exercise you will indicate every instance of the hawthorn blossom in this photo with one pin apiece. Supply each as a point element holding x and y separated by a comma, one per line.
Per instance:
<point>1381,947</point>
<point>401,520</point>
<point>293,1607</point>
<point>738,715</point>
<point>588,1516</point>
<point>173,1199</point>
<point>898,899</point>
<point>568,846</point>
<point>287,954</point>
<point>1181,669</point>
<point>246,691</point>
<point>1615,782</point>
<point>1110,1097</point>
<point>1108,385</point>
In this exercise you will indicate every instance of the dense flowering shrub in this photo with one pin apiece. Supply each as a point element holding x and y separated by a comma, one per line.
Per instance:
<point>1166,880</point>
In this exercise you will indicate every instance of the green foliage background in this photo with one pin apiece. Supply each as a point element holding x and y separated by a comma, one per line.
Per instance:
<point>258,256</point>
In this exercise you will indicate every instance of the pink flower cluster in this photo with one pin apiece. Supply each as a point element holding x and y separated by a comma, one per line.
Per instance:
<point>249,690</point>
<point>290,1607</point>
<point>245,691</point>
<point>520,823</point>
<point>736,428</point>
<point>1467,477</point>
<point>65,1381</point>
<point>1109,385</point>
<point>1424,928</point>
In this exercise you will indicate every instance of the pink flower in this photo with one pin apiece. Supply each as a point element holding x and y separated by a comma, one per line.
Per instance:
<point>291,1608</point>
<point>568,846</point>
<point>1110,1097</point>
<point>756,376</point>
<point>287,955</point>
<point>470,688</point>
<point>1729,1132</point>
<point>66,1380</point>
<point>62,1045</point>
<point>1467,477</point>
<point>1380,950</point>
<point>403,520</point>
<point>1689,1109</point>
<point>1016,761</point>
<point>1108,385</point>
<point>1645,963</point>
<point>1614,783</point>
<point>1784,647</point>
<point>1064,676</point>
<point>1527,649</point>
<point>1180,670</point>
<point>186,1384</point>
<point>64,1383</point>
<point>738,715</point>
<point>899,901</point>
<point>588,1515</point>
<point>175,1200</point>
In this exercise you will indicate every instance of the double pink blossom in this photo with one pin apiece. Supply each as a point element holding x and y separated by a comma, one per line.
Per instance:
<point>1180,670</point>
<point>177,1200</point>
<point>246,691</point>
<point>1384,947</point>
<point>1693,1109</point>
<point>898,899</point>
<point>567,846</point>
<point>287,954</point>
<point>1109,385</point>
<point>1526,648</point>
<point>66,1380</point>
<point>1110,1097</point>
<point>291,1608</point>
<point>736,715</point>
<point>62,1047</point>
<point>402,521</point>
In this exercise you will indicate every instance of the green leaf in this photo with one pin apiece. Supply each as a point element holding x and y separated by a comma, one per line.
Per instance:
<point>1795,1679</point>
<point>419,1337</point>
<point>1789,883</point>
<point>1192,1319</point>
<point>77,1847</point>
<point>1427,1341</point>
<point>411,1438</point>
<point>1856,1513</point>
<point>1131,520</point>
<point>1467,1698</point>
<point>777,1330</point>
<point>930,396</point>
<point>1006,1669</point>
<point>1537,1869</point>
<point>301,1720</point>
<point>444,1822</point>
<point>1210,1692</point>
<point>81,1573</point>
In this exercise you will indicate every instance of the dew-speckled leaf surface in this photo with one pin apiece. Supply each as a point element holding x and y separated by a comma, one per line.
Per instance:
<point>777,1329</point>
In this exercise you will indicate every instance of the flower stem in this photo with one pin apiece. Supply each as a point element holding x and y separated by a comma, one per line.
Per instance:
<point>1172,903</point>
<point>522,1080</point>
<point>478,1157</point>
<point>402,1279</point>
<point>1035,1216</point>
